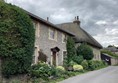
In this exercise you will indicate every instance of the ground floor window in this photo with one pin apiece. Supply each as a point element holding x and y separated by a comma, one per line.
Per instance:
<point>64,54</point>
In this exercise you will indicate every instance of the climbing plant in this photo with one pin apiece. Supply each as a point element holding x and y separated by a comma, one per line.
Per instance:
<point>17,37</point>
<point>71,50</point>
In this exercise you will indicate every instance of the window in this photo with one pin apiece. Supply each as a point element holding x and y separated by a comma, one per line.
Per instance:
<point>37,28</point>
<point>64,38</point>
<point>64,54</point>
<point>52,34</point>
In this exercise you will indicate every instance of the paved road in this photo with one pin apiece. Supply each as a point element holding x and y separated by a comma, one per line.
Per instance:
<point>106,75</point>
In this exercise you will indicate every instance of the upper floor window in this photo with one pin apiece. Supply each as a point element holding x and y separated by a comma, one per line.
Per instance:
<point>37,28</point>
<point>52,34</point>
<point>64,38</point>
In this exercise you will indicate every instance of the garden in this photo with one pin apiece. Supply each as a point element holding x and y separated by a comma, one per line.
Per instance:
<point>81,62</point>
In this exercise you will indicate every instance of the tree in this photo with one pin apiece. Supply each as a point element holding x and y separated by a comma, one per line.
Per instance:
<point>85,51</point>
<point>17,37</point>
<point>2,0</point>
<point>71,51</point>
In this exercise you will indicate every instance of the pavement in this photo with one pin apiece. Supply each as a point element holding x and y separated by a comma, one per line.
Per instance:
<point>105,75</point>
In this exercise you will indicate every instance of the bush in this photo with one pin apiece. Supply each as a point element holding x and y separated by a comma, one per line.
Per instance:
<point>85,64</point>
<point>60,68</point>
<point>77,67</point>
<point>85,51</point>
<point>95,64</point>
<point>78,59</point>
<point>17,37</point>
<point>41,70</point>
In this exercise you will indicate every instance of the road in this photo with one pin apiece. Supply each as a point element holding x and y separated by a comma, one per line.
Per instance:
<point>105,75</point>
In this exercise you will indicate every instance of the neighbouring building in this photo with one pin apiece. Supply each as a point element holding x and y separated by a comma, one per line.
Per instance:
<point>50,41</point>
<point>81,36</point>
<point>113,49</point>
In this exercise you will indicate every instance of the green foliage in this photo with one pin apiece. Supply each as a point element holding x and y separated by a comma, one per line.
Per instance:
<point>109,53</point>
<point>41,70</point>
<point>71,51</point>
<point>16,81</point>
<point>77,67</point>
<point>2,1</point>
<point>95,64</point>
<point>60,68</point>
<point>78,59</point>
<point>17,37</point>
<point>85,51</point>
<point>85,64</point>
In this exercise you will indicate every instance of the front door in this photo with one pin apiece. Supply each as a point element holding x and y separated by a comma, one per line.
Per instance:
<point>54,58</point>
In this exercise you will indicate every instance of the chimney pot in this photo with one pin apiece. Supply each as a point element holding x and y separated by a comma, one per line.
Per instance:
<point>47,18</point>
<point>77,20</point>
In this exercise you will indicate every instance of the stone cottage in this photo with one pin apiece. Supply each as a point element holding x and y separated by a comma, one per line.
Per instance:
<point>49,40</point>
<point>81,36</point>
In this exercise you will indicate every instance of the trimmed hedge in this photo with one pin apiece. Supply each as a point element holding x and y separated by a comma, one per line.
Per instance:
<point>17,37</point>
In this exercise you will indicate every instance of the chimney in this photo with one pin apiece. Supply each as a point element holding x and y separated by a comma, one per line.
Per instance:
<point>47,18</point>
<point>77,20</point>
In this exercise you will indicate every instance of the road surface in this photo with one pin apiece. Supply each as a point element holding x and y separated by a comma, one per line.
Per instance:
<point>105,75</point>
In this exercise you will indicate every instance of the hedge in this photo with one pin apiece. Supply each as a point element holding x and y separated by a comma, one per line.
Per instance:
<point>17,37</point>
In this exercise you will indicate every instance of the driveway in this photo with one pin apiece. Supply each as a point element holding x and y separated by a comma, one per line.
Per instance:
<point>105,75</point>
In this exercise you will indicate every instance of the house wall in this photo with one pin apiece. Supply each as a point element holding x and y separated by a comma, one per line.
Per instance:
<point>114,61</point>
<point>44,44</point>
<point>96,52</point>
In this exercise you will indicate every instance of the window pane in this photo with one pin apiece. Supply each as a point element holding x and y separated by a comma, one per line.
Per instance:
<point>52,34</point>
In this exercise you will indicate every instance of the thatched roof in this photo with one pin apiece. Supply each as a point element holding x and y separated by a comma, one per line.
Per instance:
<point>80,34</point>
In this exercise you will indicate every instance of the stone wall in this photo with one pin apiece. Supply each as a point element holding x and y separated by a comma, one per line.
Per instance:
<point>114,61</point>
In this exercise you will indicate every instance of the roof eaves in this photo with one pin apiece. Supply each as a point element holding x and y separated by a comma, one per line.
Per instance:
<point>47,23</point>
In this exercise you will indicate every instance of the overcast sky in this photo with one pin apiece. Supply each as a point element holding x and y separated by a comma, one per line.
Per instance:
<point>98,17</point>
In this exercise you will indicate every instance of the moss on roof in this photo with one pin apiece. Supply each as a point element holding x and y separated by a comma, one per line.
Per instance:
<point>80,34</point>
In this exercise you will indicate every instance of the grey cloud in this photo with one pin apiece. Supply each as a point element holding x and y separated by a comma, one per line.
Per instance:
<point>89,11</point>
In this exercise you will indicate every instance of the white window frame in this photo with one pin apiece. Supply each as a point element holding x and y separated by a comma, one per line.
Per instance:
<point>63,55</point>
<point>55,34</point>
<point>37,28</point>
<point>64,36</point>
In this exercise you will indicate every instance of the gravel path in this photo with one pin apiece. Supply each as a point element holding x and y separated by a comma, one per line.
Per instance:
<point>106,75</point>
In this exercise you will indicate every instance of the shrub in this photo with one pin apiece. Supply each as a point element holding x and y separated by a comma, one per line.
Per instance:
<point>78,59</point>
<point>16,81</point>
<point>77,67</point>
<point>85,51</point>
<point>95,64</point>
<point>60,68</point>
<point>41,70</point>
<point>17,37</point>
<point>85,64</point>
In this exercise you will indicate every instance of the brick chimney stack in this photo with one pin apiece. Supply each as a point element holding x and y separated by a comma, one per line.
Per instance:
<point>77,20</point>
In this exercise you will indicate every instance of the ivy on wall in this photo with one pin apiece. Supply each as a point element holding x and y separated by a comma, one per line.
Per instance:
<point>17,37</point>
